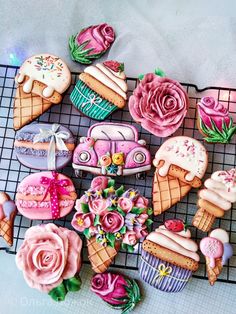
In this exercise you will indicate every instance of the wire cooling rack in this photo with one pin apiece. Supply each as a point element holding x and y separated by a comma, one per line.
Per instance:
<point>220,157</point>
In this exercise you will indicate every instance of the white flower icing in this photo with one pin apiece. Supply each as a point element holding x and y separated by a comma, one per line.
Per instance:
<point>185,152</point>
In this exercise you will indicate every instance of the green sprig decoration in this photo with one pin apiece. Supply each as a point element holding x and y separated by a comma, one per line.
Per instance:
<point>214,135</point>
<point>79,53</point>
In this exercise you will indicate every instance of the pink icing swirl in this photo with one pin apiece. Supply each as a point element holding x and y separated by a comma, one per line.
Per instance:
<point>210,110</point>
<point>99,38</point>
<point>110,287</point>
<point>159,104</point>
<point>48,255</point>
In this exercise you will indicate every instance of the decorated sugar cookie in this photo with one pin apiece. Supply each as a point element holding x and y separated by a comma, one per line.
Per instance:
<point>118,291</point>
<point>111,149</point>
<point>42,79</point>
<point>214,121</point>
<point>50,259</point>
<point>180,164</point>
<point>45,195</point>
<point>217,251</point>
<point>169,257</point>
<point>7,216</point>
<point>215,199</point>
<point>100,90</point>
<point>44,146</point>
<point>159,104</point>
<point>110,218</point>
<point>91,43</point>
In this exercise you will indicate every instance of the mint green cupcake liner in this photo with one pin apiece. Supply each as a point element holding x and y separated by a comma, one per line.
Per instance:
<point>90,103</point>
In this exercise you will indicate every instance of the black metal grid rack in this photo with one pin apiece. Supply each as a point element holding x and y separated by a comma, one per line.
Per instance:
<point>220,157</point>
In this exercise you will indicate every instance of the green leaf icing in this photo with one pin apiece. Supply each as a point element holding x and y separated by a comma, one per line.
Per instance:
<point>86,232</point>
<point>58,293</point>
<point>85,208</point>
<point>214,135</point>
<point>73,284</point>
<point>159,72</point>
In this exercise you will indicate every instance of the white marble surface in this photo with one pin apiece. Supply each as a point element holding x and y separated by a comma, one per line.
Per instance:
<point>192,41</point>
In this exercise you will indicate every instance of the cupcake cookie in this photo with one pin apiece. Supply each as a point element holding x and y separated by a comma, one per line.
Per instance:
<point>50,259</point>
<point>45,195</point>
<point>91,43</point>
<point>214,121</point>
<point>169,257</point>
<point>159,104</point>
<point>110,218</point>
<point>42,79</point>
<point>100,90</point>
<point>217,251</point>
<point>215,199</point>
<point>180,164</point>
<point>44,146</point>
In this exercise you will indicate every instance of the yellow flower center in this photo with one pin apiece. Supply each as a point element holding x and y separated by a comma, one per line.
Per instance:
<point>80,221</point>
<point>99,192</point>
<point>111,189</point>
<point>101,232</point>
<point>89,194</point>
<point>132,194</point>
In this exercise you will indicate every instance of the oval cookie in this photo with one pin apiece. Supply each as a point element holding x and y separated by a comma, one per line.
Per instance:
<point>45,195</point>
<point>44,146</point>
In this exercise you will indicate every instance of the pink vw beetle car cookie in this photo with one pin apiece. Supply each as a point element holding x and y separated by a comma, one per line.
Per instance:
<point>111,149</point>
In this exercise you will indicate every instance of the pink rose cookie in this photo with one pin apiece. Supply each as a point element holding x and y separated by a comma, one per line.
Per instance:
<point>50,259</point>
<point>111,149</point>
<point>7,216</point>
<point>217,251</point>
<point>45,195</point>
<point>91,43</point>
<point>180,163</point>
<point>169,257</point>
<point>117,291</point>
<point>159,104</point>
<point>214,121</point>
<point>110,218</point>
<point>215,199</point>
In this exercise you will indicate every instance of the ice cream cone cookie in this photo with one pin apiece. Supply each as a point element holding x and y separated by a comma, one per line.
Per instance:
<point>7,216</point>
<point>50,259</point>
<point>169,257</point>
<point>180,164</point>
<point>100,90</point>
<point>159,104</point>
<point>217,251</point>
<point>45,195</point>
<point>214,121</point>
<point>215,199</point>
<point>110,218</point>
<point>42,79</point>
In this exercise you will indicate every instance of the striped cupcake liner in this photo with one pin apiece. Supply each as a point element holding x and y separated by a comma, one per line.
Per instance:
<point>90,103</point>
<point>163,275</point>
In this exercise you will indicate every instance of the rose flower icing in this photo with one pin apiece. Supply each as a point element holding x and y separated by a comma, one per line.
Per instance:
<point>159,104</point>
<point>214,121</point>
<point>50,259</point>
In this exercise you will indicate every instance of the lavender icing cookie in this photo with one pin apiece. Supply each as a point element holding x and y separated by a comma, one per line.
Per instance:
<point>44,146</point>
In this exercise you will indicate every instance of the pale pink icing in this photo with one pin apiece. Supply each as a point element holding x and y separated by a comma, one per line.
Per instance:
<point>172,245</point>
<point>159,104</point>
<point>184,233</point>
<point>48,255</point>
<point>212,248</point>
<point>44,204</point>
<point>220,189</point>
<point>38,189</point>
<point>185,152</point>
<point>210,110</point>
<point>120,81</point>
<point>103,78</point>
<point>214,198</point>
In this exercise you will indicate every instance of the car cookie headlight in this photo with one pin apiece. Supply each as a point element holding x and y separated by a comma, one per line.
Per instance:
<point>139,157</point>
<point>83,156</point>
